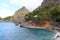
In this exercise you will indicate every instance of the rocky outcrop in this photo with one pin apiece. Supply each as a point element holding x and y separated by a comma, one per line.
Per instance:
<point>37,26</point>
<point>19,15</point>
<point>46,2</point>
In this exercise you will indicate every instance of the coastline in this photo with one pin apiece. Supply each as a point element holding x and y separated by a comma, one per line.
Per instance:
<point>29,25</point>
<point>44,26</point>
<point>56,32</point>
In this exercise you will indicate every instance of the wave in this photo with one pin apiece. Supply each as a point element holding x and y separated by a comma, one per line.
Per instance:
<point>57,36</point>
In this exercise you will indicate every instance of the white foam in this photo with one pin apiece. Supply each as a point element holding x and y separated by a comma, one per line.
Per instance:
<point>57,36</point>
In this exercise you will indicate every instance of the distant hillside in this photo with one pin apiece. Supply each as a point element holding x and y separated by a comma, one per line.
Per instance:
<point>7,18</point>
<point>0,18</point>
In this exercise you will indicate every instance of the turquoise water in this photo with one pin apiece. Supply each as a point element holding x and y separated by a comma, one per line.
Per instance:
<point>8,31</point>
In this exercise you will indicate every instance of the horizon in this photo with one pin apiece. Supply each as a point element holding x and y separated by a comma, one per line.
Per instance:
<point>8,7</point>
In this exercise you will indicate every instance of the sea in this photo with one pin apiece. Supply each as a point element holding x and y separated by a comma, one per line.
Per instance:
<point>9,31</point>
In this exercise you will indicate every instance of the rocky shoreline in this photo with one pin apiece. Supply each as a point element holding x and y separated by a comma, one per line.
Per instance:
<point>30,25</point>
<point>46,26</point>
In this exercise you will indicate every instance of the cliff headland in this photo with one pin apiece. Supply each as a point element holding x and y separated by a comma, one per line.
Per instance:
<point>43,17</point>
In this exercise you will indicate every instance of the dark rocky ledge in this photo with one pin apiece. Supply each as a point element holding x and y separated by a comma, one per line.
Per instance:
<point>30,25</point>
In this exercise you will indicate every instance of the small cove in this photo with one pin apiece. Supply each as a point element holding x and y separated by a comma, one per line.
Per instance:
<point>9,31</point>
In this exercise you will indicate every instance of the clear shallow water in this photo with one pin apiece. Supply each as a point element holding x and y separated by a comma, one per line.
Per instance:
<point>8,31</point>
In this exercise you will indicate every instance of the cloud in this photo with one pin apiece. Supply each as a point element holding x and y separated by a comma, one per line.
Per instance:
<point>30,4</point>
<point>6,11</point>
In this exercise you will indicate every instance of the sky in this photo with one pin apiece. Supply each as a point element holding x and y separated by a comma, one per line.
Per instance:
<point>8,7</point>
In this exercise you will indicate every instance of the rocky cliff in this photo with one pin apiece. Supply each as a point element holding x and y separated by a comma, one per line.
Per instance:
<point>19,15</point>
<point>46,2</point>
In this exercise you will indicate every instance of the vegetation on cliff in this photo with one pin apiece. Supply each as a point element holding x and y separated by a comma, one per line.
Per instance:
<point>45,14</point>
<point>0,18</point>
<point>7,18</point>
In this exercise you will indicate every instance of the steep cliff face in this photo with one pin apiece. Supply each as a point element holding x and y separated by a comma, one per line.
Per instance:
<point>46,2</point>
<point>19,15</point>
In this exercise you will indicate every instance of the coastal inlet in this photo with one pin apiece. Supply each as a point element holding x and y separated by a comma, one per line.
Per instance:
<point>9,31</point>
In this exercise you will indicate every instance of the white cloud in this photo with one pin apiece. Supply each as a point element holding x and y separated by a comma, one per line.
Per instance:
<point>6,12</point>
<point>30,4</point>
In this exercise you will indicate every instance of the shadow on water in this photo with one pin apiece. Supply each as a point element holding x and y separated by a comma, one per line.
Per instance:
<point>38,30</point>
<point>40,33</point>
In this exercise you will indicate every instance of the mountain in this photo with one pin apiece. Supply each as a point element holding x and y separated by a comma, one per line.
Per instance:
<point>46,2</point>
<point>19,15</point>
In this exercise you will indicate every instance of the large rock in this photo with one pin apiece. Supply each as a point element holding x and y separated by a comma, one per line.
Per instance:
<point>46,2</point>
<point>19,15</point>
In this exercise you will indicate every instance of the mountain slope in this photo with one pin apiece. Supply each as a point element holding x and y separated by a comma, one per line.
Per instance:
<point>19,15</point>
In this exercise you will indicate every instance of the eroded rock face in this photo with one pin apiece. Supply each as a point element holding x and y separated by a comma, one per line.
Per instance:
<point>19,15</point>
<point>46,2</point>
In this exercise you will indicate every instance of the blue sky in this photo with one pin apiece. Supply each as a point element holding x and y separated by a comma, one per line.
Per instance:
<point>8,7</point>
